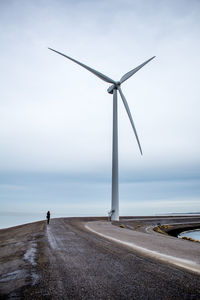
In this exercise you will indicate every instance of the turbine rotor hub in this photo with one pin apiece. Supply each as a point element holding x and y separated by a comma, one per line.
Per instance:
<point>113,86</point>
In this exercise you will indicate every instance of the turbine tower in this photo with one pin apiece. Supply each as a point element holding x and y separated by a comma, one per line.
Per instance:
<point>116,86</point>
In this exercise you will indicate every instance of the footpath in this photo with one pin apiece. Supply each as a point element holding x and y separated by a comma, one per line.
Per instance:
<point>171,250</point>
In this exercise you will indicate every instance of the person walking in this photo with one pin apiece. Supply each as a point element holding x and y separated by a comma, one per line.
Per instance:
<point>48,217</point>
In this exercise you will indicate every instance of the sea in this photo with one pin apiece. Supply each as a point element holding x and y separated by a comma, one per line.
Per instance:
<point>194,234</point>
<point>10,219</point>
<point>26,197</point>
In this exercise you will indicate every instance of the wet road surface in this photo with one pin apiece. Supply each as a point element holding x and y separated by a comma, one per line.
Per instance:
<point>73,263</point>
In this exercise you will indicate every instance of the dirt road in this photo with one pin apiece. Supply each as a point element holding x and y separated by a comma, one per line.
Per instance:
<point>65,261</point>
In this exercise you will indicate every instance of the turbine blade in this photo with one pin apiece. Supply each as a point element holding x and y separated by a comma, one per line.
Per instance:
<point>97,73</point>
<point>130,117</point>
<point>130,73</point>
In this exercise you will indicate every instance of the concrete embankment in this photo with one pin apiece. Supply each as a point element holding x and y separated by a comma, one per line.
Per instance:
<point>165,248</point>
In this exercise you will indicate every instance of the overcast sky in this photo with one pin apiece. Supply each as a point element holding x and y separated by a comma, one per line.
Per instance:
<point>57,117</point>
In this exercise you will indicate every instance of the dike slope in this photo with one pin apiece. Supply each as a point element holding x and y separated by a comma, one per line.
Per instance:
<point>67,261</point>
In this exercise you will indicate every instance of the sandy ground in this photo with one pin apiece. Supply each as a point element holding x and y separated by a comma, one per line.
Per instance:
<point>66,261</point>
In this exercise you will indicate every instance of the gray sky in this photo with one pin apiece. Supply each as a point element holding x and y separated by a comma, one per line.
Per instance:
<point>56,116</point>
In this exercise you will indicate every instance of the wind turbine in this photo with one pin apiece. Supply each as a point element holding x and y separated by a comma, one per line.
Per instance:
<point>116,86</point>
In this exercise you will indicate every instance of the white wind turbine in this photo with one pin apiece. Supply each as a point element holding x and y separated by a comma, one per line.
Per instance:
<point>113,90</point>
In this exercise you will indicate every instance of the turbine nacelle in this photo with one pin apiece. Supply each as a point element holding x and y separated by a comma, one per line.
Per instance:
<point>113,86</point>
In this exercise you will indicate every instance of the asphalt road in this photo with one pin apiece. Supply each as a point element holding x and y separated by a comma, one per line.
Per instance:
<point>68,262</point>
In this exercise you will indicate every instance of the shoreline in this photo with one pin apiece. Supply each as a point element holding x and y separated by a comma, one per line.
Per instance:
<point>153,217</point>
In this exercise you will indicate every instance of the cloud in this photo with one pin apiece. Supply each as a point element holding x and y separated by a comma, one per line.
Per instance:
<point>56,116</point>
<point>89,194</point>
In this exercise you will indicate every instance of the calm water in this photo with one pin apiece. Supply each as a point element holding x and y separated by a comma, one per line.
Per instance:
<point>27,196</point>
<point>195,234</point>
<point>14,219</point>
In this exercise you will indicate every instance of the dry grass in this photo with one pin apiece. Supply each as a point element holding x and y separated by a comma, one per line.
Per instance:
<point>138,227</point>
<point>159,229</point>
<point>122,226</point>
<point>190,239</point>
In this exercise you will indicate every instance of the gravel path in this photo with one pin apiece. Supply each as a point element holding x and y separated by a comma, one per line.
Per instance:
<point>73,263</point>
